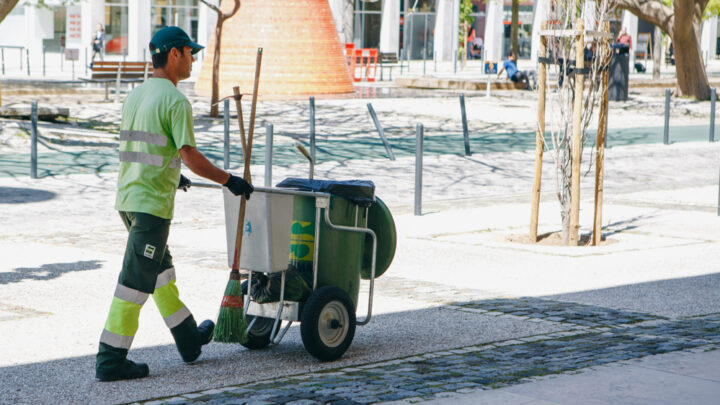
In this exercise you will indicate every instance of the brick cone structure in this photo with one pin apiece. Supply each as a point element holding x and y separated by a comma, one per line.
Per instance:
<point>302,54</point>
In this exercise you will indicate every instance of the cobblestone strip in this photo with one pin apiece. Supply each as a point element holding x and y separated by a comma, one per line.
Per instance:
<point>602,336</point>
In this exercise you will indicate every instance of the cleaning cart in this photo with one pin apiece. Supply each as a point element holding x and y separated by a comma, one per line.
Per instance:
<point>334,233</point>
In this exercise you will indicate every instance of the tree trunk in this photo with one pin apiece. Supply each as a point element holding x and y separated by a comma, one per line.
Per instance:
<point>6,7</point>
<point>514,27</point>
<point>689,65</point>
<point>657,52</point>
<point>682,23</point>
<point>216,68</point>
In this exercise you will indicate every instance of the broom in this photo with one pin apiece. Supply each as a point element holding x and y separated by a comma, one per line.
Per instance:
<point>231,326</point>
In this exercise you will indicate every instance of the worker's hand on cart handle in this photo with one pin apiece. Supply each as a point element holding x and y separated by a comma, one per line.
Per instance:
<point>237,185</point>
<point>184,184</point>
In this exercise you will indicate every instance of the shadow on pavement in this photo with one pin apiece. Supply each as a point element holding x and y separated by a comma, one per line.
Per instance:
<point>47,271</point>
<point>16,195</point>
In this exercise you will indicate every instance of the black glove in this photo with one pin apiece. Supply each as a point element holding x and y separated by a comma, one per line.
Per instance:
<point>184,184</point>
<point>237,185</point>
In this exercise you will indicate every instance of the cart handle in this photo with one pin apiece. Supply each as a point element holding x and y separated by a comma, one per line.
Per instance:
<point>372,267</point>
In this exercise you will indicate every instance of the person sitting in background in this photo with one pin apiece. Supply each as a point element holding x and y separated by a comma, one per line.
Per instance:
<point>473,51</point>
<point>515,75</point>
<point>623,43</point>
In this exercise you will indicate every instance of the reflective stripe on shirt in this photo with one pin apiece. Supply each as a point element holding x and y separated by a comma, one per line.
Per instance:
<point>142,136</point>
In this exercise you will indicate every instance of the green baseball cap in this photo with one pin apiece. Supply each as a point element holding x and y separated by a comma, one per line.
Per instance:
<point>171,37</point>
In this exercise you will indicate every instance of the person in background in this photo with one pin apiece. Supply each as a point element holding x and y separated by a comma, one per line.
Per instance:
<point>623,43</point>
<point>515,75</point>
<point>473,50</point>
<point>98,44</point>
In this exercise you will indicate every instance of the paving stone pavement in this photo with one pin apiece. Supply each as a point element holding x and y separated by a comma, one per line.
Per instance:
<point>598,336</point>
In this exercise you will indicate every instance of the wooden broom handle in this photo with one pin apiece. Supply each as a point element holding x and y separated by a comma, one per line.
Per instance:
<point>247,154</point>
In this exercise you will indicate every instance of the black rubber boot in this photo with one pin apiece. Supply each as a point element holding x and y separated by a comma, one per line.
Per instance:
<point>128,370</point>
<point>204,336</point>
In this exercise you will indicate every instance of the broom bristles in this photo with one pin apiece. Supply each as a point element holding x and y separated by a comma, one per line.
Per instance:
<point>231,325</point>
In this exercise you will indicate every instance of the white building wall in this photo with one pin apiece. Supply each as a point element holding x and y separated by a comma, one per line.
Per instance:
<point>540,14</point>
<point>138,29</point>
<point>12,29</point>
<point>207,19</point>
<point>93,13</point>
<point>708,38</point>
<point>444,20</point>
<point>390,26</point>
<point>494,31</point>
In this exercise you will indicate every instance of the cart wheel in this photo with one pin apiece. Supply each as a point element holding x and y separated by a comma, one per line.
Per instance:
<point>259,335</point>
<point>328,323</point>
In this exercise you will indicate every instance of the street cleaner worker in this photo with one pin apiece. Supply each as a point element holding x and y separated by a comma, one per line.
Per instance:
<point>155,134</point>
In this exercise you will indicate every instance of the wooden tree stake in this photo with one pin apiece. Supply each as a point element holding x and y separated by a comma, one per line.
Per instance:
<point>539,138</point>
<point>600,143</point>
<point>573,236</point>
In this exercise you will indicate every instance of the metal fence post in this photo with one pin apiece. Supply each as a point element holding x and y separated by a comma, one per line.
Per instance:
<point>666,134</point>
<point>380,130</point>
<point>86,62</point>
<point>43,60</point>
<point>27,60</point>
<point>418,168</point>
<point>312,128</point>
<point>33,139</point>
<point>2,56</point>
<point>713,97</point>
<point>268,154</point>
<point>124,54</point>
<point>62,59</point>
<point>466,135</point>
<point>226,134</point>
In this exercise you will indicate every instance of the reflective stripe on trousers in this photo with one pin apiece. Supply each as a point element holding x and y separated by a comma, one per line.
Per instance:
<point>122,322</point>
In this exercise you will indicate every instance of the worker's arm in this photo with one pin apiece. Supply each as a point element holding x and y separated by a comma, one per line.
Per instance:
<point>198,164</point>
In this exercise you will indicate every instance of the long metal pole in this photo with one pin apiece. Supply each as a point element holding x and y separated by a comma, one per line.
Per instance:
<point>380,130</point>
<point>466,135</point>
<point>268,154</point>
<point>312,128</point>
<point>713,97</point>
<point>33,139</point>
<point>27,59</point>
<point>418,168</point>
<point>2,56</point>
<point>226,134</point>
<point>666,133</point>
<point>43,61</point>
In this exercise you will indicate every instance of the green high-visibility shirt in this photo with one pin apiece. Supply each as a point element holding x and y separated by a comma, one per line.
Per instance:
<point>156,122</point>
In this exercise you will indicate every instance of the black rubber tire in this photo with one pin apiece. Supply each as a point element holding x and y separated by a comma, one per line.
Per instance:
<point>322,339</point>
<point>259,335</point>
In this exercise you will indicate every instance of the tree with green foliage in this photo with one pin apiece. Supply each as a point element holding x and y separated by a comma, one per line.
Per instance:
<point>466,19</point>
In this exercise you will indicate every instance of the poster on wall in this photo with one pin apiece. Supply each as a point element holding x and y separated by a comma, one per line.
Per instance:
<point>73,27</point>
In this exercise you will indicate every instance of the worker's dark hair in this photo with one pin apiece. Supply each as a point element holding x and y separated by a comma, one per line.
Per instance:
<point>159,60</point>
<point>510,54</point>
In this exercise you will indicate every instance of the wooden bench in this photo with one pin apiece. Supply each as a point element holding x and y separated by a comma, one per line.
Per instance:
<point>388,60</point>
<point>118,72</point>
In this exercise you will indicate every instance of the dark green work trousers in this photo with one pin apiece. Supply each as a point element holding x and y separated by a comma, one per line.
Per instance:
<point>147,270</point>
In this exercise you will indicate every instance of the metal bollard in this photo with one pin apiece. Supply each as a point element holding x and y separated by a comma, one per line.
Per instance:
<point>466,135</point>
<point>62,59</point>
<point>86,62</point>
<point>312,128</point>
<point>33,139</point>
<point>380,130</point>
<point>418,168</point>
<point>268,154</point>
<point>144,56</point>
<point>666,134</point>
<point>27,60</point>
<point>21,58</point>
<point>124,53</point>
<point>2,56</point>
<point>226,134</point>
<point>713,97</point>
<point>44,60</point>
